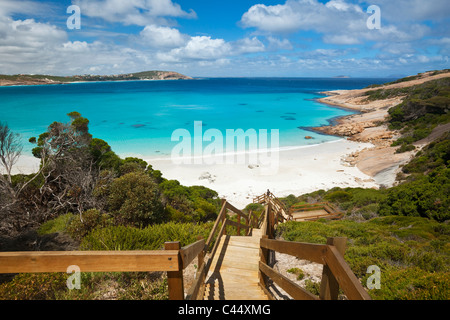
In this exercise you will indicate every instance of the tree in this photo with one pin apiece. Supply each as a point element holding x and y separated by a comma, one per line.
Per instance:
<point>10,149</point>
<point>68,165</point>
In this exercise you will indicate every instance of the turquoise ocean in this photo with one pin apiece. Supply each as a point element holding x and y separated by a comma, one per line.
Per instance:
<point>139,117</point>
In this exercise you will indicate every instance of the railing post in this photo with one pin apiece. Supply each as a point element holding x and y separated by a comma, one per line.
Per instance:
<point>329,287</point>
<point>238,227</point>
<point>263,257</point>
<point>201,255</point>
<point>175,278</point>
<point>270,221</point>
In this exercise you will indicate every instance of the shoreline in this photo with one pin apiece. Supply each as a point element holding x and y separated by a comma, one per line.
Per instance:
<point>362,157</point>
<point>381,162</point>
<point>81,82</point>
<point>295,170</point>
<point>298,171</point>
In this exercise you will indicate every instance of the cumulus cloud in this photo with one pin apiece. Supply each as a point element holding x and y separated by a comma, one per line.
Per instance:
<point>339,21</point>
<point>162,37</point>
<point>413,10</point>
<point>339,42</point>
<point>279,44</point>
<point>198,48</point>
<point>25,42</point>
<point>248,45</point>
<point>28,46</point>
<point>297,15</point>
<point>134,12</point>
<point>208,49</point>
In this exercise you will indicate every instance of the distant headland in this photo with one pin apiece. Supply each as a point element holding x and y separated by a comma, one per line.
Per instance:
<point>39,79</point>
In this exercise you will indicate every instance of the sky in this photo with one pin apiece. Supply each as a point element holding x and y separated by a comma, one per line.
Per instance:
<point>226,38</point>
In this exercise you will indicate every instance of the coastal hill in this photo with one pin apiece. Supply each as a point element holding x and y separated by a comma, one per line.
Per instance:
<point>375,104</point>
<point>38,79</point>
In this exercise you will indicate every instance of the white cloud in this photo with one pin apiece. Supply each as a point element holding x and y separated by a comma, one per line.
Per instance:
<point>297,15</point>
<point>278,18</point>
<point>32,46</point>
<point>341,5</point>
<point>339,21</point>
<point>27,46</point>
<point>413,10</point>
<point>8,7</point>
<point>279,44</point>
<point>162,37</point>
<point>133,12</point>
<point>248,45</point>
<point>27,43</point>
<point>207,49</point>
<point>341,39</point>
<point>198,48</point>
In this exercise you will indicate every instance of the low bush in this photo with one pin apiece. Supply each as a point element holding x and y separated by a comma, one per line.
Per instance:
<point>414,248</point>
<point>149,238</point>
<point>34,286</point>
<point>134,199</point>
<point>80,226</point>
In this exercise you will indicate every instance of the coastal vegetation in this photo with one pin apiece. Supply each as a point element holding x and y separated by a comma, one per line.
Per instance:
<point>101,202</point>
<point>28,79</point>
<point>411,252</point>
<point>84,196</point>
<point>424,107</point>
<point>402,229</point>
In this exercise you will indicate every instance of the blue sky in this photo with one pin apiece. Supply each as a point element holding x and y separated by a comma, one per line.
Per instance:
<point>286,38</point>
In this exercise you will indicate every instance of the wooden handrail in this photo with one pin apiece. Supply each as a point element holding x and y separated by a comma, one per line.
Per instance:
<point>344,275</point>
<point>88,261</point>
<point>216,224</point>
<point>191,251</point>
<point>324,254</point>
<point>293,289</point>
<point>174,259</point>
<point>235,210</point>
<point>308,251</point>
<point>197,289</point>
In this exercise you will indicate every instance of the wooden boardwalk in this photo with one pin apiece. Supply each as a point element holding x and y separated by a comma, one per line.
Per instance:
<point>238,267</point>
<point>312,212</point>
<point>234,269</point>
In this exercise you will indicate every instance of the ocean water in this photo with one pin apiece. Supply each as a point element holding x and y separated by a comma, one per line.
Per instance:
<point>139,117</point>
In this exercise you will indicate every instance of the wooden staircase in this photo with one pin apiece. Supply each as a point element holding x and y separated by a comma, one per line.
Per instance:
<point>234,269</point>
<point>240,267</point>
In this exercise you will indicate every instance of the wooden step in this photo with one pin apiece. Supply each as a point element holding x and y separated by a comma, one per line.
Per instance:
<point>233,272</point>
<point>233,291</point>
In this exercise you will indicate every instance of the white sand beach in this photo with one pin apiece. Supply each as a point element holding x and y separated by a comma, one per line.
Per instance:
<point>300,170</point>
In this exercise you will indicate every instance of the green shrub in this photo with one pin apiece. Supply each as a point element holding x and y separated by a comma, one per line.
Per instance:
<point>89,220</point>
<point>412,284</point>
<point>405,148</point>
<point>312,286</point>
<point>134,199</point>
<point>298,272</point>
<point>59,224</point>
<point>94,286</point>
<point>200,203</point>
<point>338,196</point>
<point>425,197</point>
<point>402,246</point>
<point>33,286</point>
<point>149,238</point>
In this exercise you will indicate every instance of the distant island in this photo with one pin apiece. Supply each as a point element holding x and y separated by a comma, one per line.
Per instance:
<point>39,79</point>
